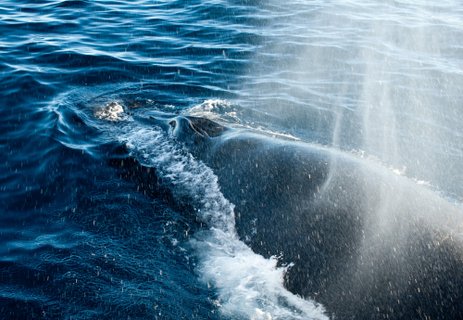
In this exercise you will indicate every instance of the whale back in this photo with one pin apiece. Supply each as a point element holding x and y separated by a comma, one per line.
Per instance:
<point>364,242</point>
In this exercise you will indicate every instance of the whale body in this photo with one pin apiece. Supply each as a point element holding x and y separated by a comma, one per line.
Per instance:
<point>364,242</point>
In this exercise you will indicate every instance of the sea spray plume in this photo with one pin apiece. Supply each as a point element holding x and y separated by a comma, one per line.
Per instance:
<point>382,78</point>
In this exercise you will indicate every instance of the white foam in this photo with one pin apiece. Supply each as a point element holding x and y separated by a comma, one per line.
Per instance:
<point>113,111</point>
<point>211,105</point>
<point>216,109</point>
<point>248,285</point>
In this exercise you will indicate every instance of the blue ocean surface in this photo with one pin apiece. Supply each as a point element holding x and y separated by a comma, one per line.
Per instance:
<point>102,218</point>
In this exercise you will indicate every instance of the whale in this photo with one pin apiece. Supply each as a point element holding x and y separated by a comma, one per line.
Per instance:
<point>364,242</point>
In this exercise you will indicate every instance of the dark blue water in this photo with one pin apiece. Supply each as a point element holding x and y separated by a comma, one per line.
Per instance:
<point>79,240</point>
<point>88,231</point>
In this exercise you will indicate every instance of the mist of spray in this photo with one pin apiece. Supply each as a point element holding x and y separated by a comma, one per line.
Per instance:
<point>381,78</point>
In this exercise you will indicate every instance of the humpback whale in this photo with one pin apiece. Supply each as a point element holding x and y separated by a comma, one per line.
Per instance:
<point>364,242</point>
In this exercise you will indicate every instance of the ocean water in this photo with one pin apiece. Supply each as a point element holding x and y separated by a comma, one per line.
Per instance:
<point>104,218</point>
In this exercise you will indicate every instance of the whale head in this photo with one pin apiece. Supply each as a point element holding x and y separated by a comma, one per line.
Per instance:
<point>195,132</point>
